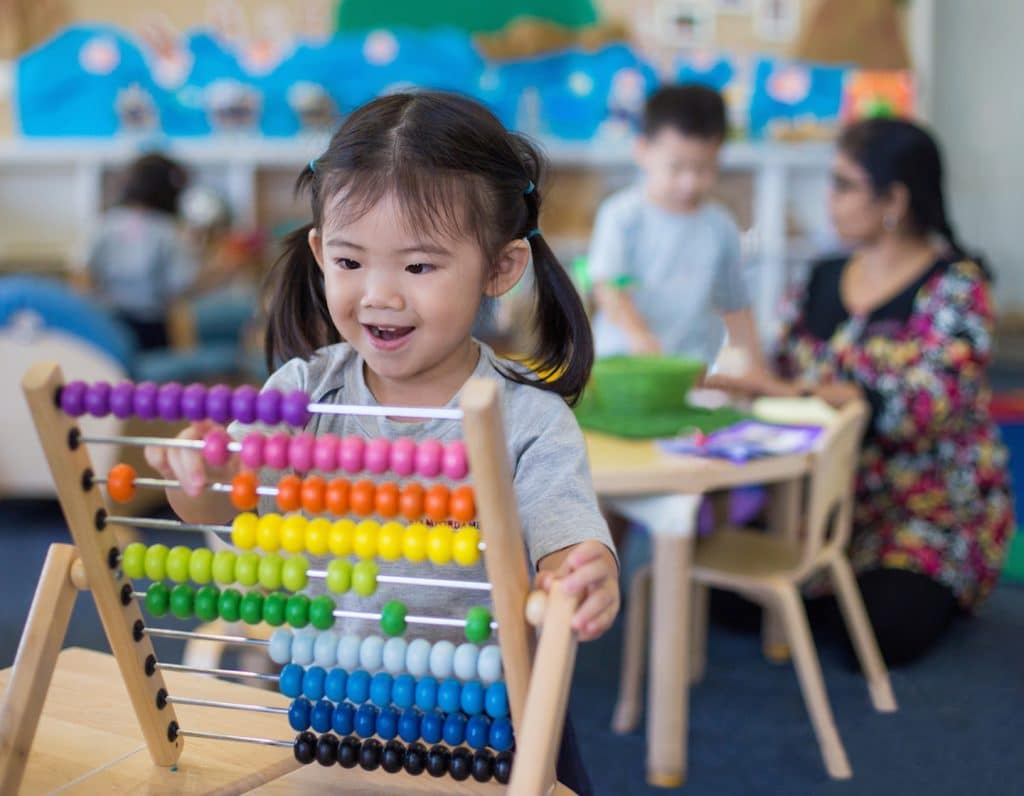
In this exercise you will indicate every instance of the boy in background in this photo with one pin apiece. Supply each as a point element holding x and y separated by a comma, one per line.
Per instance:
<point>664,258</point>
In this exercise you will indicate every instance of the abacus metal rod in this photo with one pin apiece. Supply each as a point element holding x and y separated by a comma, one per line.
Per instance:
<point>219,736</point>
<point>441,621</point>
<point>401,580</point>
<point>165,632</point>
<point>386,411</point>
<point>180,667</point>
<point>139,442</point>
<point>211,703</point>
<point>167,525</point>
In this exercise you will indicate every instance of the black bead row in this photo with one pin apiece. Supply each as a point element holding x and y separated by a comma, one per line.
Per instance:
<point>370,754</point>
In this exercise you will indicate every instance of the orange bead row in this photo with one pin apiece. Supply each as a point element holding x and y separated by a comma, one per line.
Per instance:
<point>315,495</point>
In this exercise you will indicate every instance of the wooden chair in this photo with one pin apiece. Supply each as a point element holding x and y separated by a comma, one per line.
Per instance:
<point>770,569</point>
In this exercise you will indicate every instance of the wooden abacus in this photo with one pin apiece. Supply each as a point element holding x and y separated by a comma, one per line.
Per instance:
<point>535,702</point>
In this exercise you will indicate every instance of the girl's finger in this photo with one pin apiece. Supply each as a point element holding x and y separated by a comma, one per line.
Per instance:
<point>590,574</point>
<point>596,604</point>
<point>598,626</point>
<point>587,551</point>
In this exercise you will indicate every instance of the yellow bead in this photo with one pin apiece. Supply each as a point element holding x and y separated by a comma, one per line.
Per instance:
<point>293,533</point>
<point>439,544</point>
<point>466,546</point>
<point>365,541</point>
<point>414,542</point>
<point>389,541</point>
<point>318,534</point>
<point>244,529</point>
<point>268,534</point>
<point>342,534</point>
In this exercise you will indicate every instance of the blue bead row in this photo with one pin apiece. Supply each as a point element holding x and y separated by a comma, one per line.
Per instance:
<point>403,691</point>
<point>410,724</point>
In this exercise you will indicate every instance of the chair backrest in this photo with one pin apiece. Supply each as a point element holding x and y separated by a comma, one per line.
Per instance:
<point>830,494</point>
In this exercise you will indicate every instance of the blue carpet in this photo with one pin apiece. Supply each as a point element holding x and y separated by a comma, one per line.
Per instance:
<point>957,730</point>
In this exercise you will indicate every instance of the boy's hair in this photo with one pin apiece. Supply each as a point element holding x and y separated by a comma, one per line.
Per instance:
<point>690,109</point>
<point>154,182</point>
<point>455,168</point>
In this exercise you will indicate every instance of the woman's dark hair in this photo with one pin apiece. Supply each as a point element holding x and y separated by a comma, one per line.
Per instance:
<point>455,168</point>
<point>895,151</point>
<point>155,182</point>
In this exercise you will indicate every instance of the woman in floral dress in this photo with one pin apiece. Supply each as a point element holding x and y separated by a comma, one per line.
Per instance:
<point>906,323</point>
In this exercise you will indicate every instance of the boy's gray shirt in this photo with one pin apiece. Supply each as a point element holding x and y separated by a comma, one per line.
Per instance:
<point>555,496</point>
<point>682,270</point>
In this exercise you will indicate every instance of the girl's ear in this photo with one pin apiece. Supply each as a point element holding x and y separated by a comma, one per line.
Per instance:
<point>508,268</point>
<point>316,245</point>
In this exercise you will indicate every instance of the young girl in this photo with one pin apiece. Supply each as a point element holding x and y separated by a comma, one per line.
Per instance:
<point>423,204</point>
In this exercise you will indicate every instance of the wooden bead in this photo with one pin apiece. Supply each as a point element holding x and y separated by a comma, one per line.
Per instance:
<point>462,504</point>
<point>410,501</point>
<point>288,493</point>
<point>243,491</point>
<point>336,496</point>
<point>313,494</point>
<point>435,503</point>
<point>386,500</point>
<point>121,483</point>
<point>536,604</point>
<point>361,498</point>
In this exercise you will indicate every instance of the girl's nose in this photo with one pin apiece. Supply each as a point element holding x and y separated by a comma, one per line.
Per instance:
<point>381,292</point>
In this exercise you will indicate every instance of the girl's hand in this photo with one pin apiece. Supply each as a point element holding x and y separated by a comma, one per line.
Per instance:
<point>587,569</point>
<point>186,465</point>
<point>838,393</point>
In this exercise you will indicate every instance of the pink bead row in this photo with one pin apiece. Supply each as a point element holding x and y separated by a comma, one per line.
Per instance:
<point>329,453</point>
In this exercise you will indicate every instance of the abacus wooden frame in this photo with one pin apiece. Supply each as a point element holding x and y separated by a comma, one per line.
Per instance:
<point>538,682</point>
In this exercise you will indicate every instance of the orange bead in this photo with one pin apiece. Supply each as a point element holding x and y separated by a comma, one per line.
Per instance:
<point>410,501</point>
<point>462,505</point>
<point>313,494</point>
<point>435,503</point>
<point>361,497</point>
<point>121,483</point>
<point>386,499</point>
<point>336,496</point>
<point>243,491</point>
<point>288,491</point>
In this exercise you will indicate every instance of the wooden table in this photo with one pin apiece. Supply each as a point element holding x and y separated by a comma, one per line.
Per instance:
<point>630,474</point>
<point>88,742</point>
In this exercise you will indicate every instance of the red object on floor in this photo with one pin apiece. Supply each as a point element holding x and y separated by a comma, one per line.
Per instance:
<point>1008,407</point>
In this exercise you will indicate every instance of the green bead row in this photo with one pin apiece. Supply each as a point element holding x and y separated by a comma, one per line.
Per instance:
<point>209,603</point>
<point>271,571</point>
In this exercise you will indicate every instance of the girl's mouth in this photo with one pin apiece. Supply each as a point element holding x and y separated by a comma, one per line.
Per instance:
<point>388,337</point>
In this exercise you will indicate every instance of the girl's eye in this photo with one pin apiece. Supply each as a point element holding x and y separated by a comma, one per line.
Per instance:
<point>347,264</point>
<point>419,268</point>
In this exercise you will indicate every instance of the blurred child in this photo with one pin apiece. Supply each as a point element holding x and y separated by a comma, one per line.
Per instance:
<point>664,258</point>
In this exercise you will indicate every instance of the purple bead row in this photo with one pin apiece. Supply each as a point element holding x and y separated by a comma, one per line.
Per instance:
<point>172,402</point>
<point>329,453</point>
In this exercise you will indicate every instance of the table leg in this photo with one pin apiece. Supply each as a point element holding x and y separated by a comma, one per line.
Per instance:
<point>668,694</point>
<point>783,521</point>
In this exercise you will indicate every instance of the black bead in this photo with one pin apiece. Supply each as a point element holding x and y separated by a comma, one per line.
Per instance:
<point>461,764</point>
<point>305,747</point>
<point>437,761</point>
<point>348,752</point>
<point>393,757</point>
<point>415,759</point>
<point>483,765</point>
<point>503,767</point>
<point>327,750</point>
<point>370,754</point>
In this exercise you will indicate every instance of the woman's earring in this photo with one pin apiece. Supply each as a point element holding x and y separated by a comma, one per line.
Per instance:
<point>890,221</point>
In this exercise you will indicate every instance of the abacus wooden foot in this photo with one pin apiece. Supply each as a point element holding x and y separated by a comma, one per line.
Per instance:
<point>376,703</point>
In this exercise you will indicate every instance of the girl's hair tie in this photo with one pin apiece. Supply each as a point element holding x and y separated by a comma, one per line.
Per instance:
<point>312,165</point>
<point>533,233</point>
<point>529,188</point>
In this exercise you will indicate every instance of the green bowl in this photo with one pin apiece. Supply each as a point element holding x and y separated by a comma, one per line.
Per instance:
<point>632,384</point>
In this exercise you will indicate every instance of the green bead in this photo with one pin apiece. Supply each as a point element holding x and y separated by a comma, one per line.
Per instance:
<point>206,603</point>
<point>274,606</point>
<point>156,560</point>
<point>247,568</point>
<point>364,578</point>
<point>297,610</point>
<point>224,567</point>
<point>133,560</point>
<point>200,566</point>
<point>183,599</point>
<point>478,624</point>
<point>339,576</point>
<point>251,609</point>
<point>321,613</point>
<point>228,605</point>
<point>293,573</point>
<point>270,571</point>
<point>177,563</point>
<point>158,597</point>
<point>392,618</point>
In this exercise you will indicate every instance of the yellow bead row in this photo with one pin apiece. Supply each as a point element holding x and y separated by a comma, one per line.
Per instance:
<point>367,539</point>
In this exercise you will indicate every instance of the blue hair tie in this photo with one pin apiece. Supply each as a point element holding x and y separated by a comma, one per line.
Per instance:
<point>312,165</point>
<point>529,189</point>
<point>533,233</point>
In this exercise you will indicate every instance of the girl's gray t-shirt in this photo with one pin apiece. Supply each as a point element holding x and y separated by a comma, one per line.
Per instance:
<point>551,477</point>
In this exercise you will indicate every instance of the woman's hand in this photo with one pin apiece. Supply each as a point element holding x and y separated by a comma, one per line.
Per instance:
<point>838,393</point>
<point>587,569</point>
<point>754,384</point>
